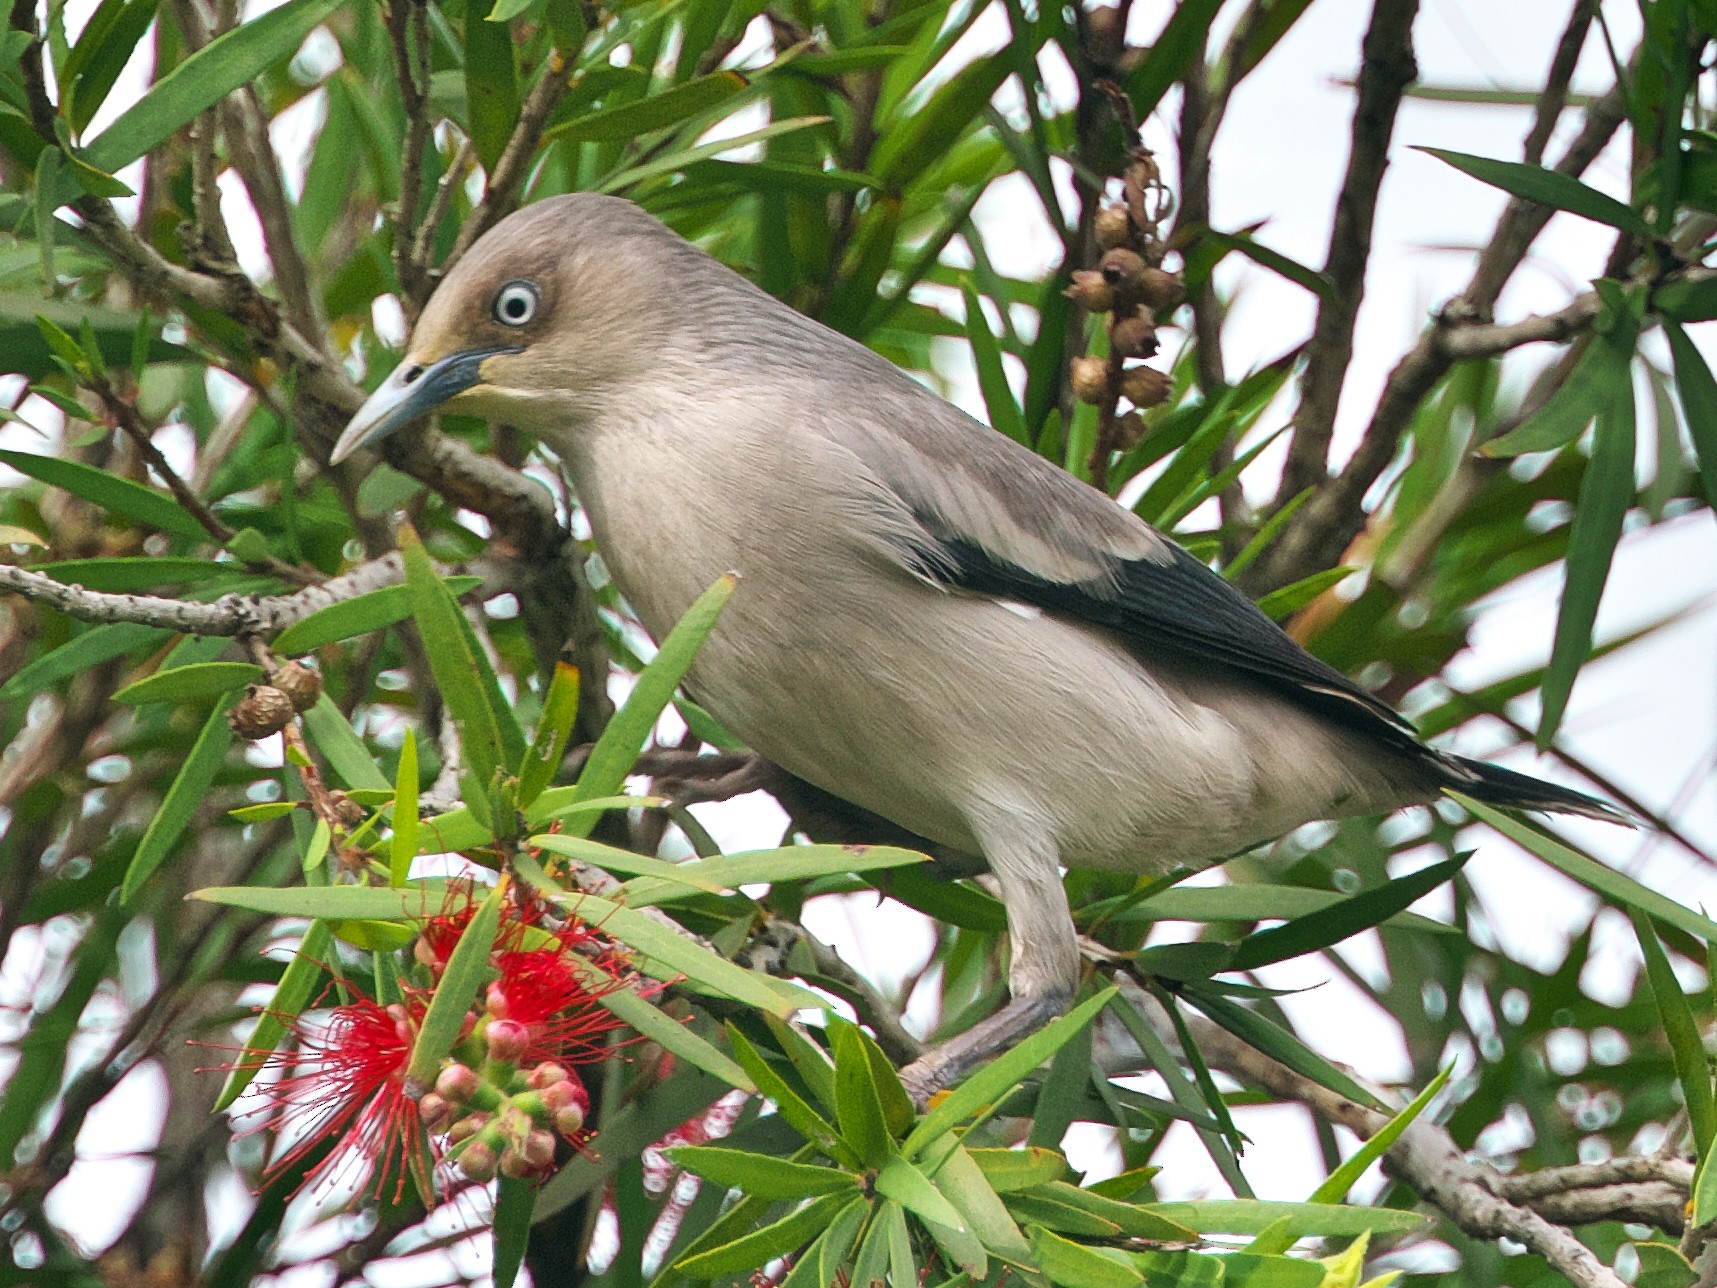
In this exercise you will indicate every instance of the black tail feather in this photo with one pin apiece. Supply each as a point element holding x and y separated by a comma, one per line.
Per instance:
<point>1495,785</point>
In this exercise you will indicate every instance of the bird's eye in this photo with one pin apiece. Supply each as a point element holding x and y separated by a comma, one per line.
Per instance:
<point>516,303</point>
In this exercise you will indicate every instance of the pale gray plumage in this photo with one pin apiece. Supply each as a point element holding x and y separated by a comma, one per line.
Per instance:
<point>931,622</point>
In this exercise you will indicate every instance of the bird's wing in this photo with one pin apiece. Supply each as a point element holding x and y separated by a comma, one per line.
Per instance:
<point>983,514</point>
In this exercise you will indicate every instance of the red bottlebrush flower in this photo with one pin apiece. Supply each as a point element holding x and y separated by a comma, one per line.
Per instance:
<point>546,991</point>
<point>343,1081</point>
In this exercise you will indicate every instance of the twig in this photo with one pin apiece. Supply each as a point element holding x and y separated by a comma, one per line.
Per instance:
<point>227,616</point>
<point>1555,95</point>
<point>408,28</point>
<point>501,196</point>
<point>1386,69</point>
<point>423,240</point>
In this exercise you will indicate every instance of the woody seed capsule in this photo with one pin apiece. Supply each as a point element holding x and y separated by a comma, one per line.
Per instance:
<point>1090,291</point>
<point>1158,288</point>
<point>1113,227</point>
<point>264,710</point>
<point>1090,377</point>
<point>299,683</point>
<point>1145,386</point>
<point>1134,337</point>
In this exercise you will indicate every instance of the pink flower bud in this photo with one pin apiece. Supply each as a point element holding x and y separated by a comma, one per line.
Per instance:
<point>495,1001</point>
<point>434,1111</point>
<point>569,1120</point>
<point>457,1083</point>
<point>466,1127</point>
<point>545,1075</point>
<point>477,1161</point>
<point>508,1040</point>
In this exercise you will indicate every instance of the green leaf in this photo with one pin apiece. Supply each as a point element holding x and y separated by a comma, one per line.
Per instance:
<point>1018,1169</point>
<point>193,683</point>
<point>554,727</point>
<point>675,954</point>
<point>1277,1043</point>
<point>616,751</point>
<point>140,573</point>
<point>515,1200</point>
<point>1004,410</point>
<point>761,1175</point>
<point>1684,299</point>
<point>416,902</point>
<point>824,1263</point>
<point>613,859</point>
<point>627,121</point>
<point>466,972</point>
<point>858,1099</point>
<point>1171,55</point>
<point>133,500</point>
<point>1661,1265</point>
<point>491,83</point>
<point>1592,383</point>
<point>1547,188</point>
<point>462,673</point>
<point>1073,1265</point>
<point>678,160</point>
<point>333,736</point>
<point>760,1247</point>
<point>374,610</point>
<point>1697,389</point>
<point>1285,601</point>
<point>1334,1188</point>
<point>791,1105</point>
<point>1128,1218</point>
<point>172,821</point>
<point>1606,492</point>
<point>1254,1216</point>
<point>1341,921</point>
<point>291,995</point>
<point>405,821</point>
<point>230,60</point>
<point>97,645</point>
<point>1692,1065</point>
<point>671,1035</point>
<point>906,1185</point>
<point>789,863</point>
<point>1249,903</point>
<point>1001,1075</point>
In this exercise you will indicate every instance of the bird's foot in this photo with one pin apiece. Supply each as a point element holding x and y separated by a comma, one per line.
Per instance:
<point>942,1066</point>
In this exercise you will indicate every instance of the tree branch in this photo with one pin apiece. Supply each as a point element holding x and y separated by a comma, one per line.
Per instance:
<point>1386,69</point>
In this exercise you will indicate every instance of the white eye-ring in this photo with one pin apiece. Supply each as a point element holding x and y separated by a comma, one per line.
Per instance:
<point>516,303</point>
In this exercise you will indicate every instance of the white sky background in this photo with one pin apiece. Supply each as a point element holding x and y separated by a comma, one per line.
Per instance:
<point>1647,717</point>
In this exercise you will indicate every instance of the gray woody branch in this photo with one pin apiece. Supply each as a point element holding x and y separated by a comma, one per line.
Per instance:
<point>228,615</point>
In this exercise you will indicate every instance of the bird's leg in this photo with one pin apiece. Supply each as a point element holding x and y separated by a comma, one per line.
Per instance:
<point>1045,968</point>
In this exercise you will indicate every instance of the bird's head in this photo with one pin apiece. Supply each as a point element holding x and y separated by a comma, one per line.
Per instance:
<point>533,324</point>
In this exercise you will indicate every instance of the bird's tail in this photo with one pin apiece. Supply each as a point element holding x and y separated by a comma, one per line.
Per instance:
<point>1495,785</point>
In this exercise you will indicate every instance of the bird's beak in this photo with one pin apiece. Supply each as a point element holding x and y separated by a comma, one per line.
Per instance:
<point>410,391</point>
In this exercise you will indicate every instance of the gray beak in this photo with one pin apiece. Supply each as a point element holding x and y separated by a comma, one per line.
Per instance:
<point>410,391</point>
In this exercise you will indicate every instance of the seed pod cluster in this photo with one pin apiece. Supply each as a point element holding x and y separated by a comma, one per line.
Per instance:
<point>1131,286</point>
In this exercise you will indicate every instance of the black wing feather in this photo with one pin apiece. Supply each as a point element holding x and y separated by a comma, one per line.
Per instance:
<point>1182,608</point>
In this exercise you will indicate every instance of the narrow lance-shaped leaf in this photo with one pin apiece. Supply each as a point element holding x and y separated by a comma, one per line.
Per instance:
<point>1697,389</point>
<point>1546,187</point>
<point>467,971</point>
<point>1334,1189</point>
<point>618,747</point>
<point>761,1175</point>
<point>1347,918</point>
<point>515,1200</point>
<point>133,500</point>
<point>671,1035</point>
<point>405,821</point>
<point>760,1247</point>
<point>1005,414</point>
<point>1606,491</point>
<point>190,683</point>
<point>190,787</point>
<point>373,610</point>
<point>554,727</point>
<point>990,1083</point>
<point>230,60</point>
<point>1277,1043</point>
<point>1692,1065</point>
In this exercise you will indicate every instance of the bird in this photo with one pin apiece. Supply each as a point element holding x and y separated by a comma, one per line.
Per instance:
<point>932,622</point>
